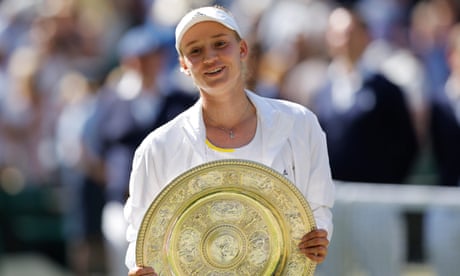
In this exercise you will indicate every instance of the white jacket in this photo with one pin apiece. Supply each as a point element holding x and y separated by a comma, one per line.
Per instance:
<point>292,143</point>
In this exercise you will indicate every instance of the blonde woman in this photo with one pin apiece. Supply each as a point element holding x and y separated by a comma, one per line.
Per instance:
<point>229,121</point>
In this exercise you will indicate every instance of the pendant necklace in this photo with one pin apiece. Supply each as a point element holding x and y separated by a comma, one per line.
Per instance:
<point>229,131</point>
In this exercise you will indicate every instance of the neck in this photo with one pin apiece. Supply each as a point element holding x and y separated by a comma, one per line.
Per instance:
<point>228,119</point>
<point>225,117</point>
<point>225,110</point>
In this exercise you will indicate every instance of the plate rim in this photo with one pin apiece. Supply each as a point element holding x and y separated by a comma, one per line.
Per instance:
<point>141,236</point>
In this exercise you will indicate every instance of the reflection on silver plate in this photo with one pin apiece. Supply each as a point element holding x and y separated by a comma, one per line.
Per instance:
<point>226,218</point>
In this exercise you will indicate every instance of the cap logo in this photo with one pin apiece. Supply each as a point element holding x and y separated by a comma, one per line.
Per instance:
<point>198,14</point>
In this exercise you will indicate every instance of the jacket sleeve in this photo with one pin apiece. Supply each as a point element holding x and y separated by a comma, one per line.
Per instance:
<point>143,187</point>
<point>313,174</point>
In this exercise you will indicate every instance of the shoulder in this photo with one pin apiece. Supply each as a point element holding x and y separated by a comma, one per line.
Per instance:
<point>280,105</point>
<point>380,82</point>
<point>282,109</point>
<point>167,134</point>
<point>288,117</point>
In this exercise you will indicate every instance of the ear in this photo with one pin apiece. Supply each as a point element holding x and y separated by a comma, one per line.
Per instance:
<point>183,67</point>
<point>244,49</point>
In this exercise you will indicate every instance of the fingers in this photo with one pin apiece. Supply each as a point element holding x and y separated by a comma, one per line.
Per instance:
<point>317,233</point>
<point>316,254</point>
<point>314,245</point>
<point>142,271</point>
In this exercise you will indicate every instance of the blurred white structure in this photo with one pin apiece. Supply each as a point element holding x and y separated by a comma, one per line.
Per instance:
<point>368,224</point>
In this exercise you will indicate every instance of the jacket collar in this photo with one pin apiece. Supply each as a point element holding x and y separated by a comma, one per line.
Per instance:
<point>275,127</point>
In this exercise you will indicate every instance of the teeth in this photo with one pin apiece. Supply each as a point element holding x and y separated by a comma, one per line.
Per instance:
<point>215,71</point>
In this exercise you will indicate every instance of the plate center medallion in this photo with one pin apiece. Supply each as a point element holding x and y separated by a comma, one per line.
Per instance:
<point>224,246</point>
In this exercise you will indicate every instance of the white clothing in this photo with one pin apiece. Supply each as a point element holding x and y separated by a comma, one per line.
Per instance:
<point>292,143</point>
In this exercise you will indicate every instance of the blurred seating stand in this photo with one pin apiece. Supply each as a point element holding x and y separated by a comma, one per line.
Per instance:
<point>377,207</point>
<point>409,197</point>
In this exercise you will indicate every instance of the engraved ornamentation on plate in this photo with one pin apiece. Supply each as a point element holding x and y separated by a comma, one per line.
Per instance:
<point>230,217</point>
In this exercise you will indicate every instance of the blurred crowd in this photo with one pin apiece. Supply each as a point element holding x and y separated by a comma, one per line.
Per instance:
<point>82,82</point>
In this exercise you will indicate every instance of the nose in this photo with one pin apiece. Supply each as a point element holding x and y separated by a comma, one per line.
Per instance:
<point>209,57</point>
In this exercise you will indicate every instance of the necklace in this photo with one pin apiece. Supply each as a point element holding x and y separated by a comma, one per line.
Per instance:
<point>229,131</point>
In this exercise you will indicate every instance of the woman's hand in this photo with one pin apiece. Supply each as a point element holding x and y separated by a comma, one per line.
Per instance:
<point>314,245</point>
<point>142,271</point>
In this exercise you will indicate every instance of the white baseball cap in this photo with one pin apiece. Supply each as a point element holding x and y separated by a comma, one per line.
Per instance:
<point>205,14</point>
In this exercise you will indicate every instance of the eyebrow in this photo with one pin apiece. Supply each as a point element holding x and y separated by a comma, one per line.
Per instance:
<point>214,36</point>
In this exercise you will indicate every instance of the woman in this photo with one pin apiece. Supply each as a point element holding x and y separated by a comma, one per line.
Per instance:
<point>230,122</point>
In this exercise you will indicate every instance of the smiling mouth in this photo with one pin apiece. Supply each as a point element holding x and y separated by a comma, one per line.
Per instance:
<point>214,71</point>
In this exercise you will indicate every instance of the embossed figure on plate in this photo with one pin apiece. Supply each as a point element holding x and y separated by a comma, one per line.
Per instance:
<point>226,210</point>
<point>224,249</point>
<point>226,218</point>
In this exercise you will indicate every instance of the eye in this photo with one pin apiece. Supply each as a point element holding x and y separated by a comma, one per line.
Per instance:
<point>220,44</point>
<point>194,51</point>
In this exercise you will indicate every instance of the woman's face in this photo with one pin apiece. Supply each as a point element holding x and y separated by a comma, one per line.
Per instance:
<point>213,56</point>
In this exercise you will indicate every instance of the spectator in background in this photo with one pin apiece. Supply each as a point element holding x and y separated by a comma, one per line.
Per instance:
<point>283,44</point>
<point>366,117</point>
<point>302,78</point>
<point>25,119</point>
<point>136,99</point>
<point>431,21</point>
<point>442,224</point>
<point>371,138</point>
<point>43,119</point>
<point>80,176</point>
<point>77,49</point>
